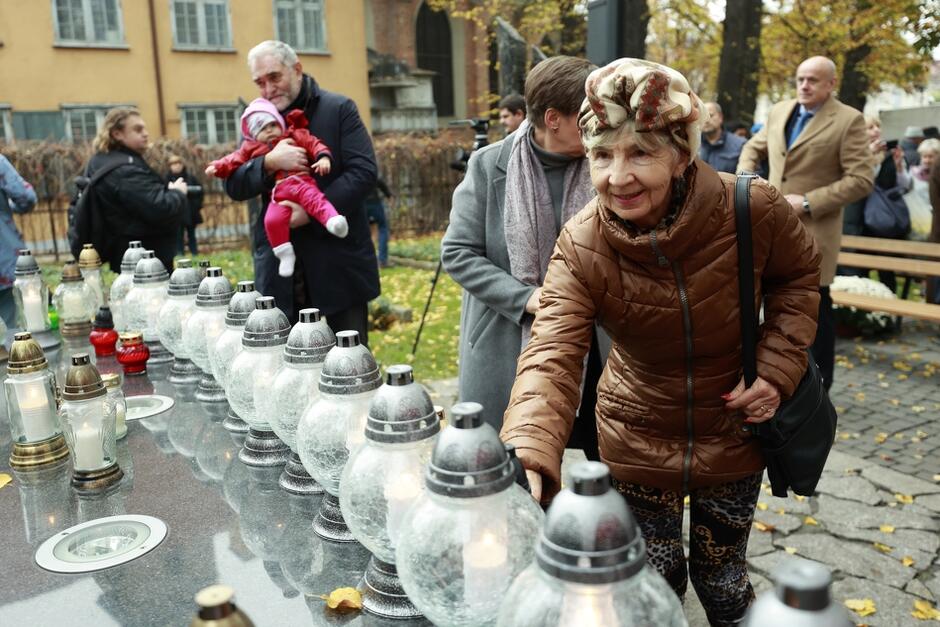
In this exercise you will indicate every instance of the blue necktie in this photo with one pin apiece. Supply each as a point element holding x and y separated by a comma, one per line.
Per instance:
<point>798,127</point>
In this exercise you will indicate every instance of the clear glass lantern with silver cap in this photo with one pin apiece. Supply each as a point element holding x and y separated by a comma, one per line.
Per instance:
<point>75,303</point>
<point>88,420</point>
<point>31,294</point>
<point>89,262</point>
<point>203,328</point>
<point>590,565</point>
<point>801,598</point>
<point>335,425</point>
<point>295,389</point>
<point>471,532</point>
<point>31,406</point>
<point>123,283</point>
<point>224,350</point>
<point>179,306</point>
<point>383,478</point>
<point>263,340</point>
<point>144,301</point>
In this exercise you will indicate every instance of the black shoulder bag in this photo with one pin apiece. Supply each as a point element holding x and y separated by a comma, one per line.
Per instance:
<point>796,441</point>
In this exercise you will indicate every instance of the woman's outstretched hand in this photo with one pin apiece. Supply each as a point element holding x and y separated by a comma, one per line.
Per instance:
<point>758,402</point>
<point>535,484</point>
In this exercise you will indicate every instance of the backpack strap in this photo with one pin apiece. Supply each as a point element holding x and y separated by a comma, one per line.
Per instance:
<point>109,166</point>
<point>742,220</point>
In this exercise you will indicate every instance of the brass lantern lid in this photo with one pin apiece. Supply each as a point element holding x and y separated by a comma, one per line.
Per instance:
<point>26,355</point>
<point>26,264</point>
<point>82,381</point>
<point>131,338</point>
<point>111,380</point>
<point>89,257</point>
<point>71,273</point>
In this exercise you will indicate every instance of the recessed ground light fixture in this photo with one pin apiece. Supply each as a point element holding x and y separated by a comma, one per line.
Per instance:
<point>101,543</point>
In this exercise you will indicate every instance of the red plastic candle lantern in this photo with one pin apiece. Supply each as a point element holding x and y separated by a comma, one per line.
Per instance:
<point>133,353</point>
<point>103,336</point>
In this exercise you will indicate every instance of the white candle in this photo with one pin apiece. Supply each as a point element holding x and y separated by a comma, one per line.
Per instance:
<point>89,449</point>
<point>34,312</point>
<point>93,280</point>
<point>485,570</point>
<point>38,420</point>
<point>73,306</point>
<point>400,493</point>
<point>120,420</point>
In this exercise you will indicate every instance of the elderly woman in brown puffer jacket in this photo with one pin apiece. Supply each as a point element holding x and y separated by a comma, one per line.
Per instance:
<point>653,259</point>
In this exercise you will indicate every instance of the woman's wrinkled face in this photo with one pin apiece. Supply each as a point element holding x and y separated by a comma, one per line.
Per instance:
<point>634,183</point>
<point>927,159</point>
<point>874,132</point>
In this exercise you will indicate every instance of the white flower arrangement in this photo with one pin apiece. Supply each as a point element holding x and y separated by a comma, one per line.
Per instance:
<point>864,321</point>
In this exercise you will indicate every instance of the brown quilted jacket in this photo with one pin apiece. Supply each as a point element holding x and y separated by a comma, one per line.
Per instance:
<point>669,301</point>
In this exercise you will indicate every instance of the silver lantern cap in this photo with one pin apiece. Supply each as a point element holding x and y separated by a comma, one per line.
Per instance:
<point>185,279</point>
<point>800,598</point>
<point>26,264</point>
<point>349,367</point>
<point>469,460</point>
<point>242,304</point>
<point>131,256</point>
<point>401,411</point>
<point>214,289</point>
<point>310,339</point>
<point>266,326</point>
<point>590,536</point>
<point>149,269</point>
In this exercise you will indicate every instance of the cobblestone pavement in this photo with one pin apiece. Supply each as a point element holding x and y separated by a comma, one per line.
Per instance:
<point>875,521</point>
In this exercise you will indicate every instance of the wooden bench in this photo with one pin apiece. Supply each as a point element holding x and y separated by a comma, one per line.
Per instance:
<point>930,250</point>
<point>901,265</point>
<point>894,306</point>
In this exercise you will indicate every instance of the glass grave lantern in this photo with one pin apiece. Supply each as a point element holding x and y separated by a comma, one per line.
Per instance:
<point>88,419</point>
<point>471,532</point>
<point>590,565</point>
<point>335,425</point>
<point>144,301</point>
<point>228,345</point>
<point>123,282</point>
<point>89,262</point>
<point>204,326</point>
<point>801,598</point>
<point>383,478</point>
<point>179,306</point>
<point>295,389</point>
<point>75,303</point>
<point>263,340</point>
<point>31,406</point>
<point>31,295</point>
<point>103,336</point>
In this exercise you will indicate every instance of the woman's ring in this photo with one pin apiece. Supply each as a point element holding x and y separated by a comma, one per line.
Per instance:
<point>763,409</point>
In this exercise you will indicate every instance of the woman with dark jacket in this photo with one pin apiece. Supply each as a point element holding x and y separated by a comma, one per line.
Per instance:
<point>192,217</point>
<point>653,260</point>
<point>131,201</point>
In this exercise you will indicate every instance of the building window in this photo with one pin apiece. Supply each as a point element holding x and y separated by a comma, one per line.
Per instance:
<point>6,123</point>
<point>210,125</point>
<point>82,123</point>
<point>301,24</point>
<point>96,22</point>
<point>38,125</point>
<point>201,24</point>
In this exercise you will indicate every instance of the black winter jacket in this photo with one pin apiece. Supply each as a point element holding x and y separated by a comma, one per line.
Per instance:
<point>134,203</point>
<point>338,273</point>
<point>192,217</point>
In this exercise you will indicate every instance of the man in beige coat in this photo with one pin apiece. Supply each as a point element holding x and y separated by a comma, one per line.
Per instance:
<point>819,160</point>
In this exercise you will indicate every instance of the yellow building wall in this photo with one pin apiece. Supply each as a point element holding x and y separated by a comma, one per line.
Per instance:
<point>37,75</point>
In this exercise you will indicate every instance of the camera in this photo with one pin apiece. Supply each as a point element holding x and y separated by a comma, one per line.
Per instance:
<point>193,190</point>
<point>481,127</point>
<point>891,144</point>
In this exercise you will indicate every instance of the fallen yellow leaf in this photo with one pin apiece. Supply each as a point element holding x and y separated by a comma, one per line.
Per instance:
<point>790,549</point>
<point>907,560</point>
<point>343,599</point>
<point>886,529</point>
<point>5,479</point>
<point>936,477</point>
<point>907,499</point>
<point>862,607</point>
<point>880,438</point>
<point>860,397</point>
<point>763,526</point>
<point>884,548</point>
<point>780,511</point>
<point>799,497</point>
<point>924,610</point>
<point>762,507</point>
<point>918,409</point>
<point>809,520</point>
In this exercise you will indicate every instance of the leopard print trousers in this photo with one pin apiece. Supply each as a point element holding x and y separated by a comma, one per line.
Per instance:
<point>721,518</point>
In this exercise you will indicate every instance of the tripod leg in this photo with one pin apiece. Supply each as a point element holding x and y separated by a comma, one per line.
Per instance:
<point>427,305</point>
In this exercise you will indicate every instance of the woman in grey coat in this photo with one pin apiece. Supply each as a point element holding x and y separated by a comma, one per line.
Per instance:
<point>506,215</point>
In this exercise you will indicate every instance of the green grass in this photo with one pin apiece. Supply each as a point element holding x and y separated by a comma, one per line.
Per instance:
<point>426,248</point>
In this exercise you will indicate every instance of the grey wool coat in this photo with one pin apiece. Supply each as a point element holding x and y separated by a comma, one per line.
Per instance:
<point>474,254</point>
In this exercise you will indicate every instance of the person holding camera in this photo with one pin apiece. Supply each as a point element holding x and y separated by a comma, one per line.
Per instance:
<point>192,217</point>
<point>506,215</point>
<point>131,201</point>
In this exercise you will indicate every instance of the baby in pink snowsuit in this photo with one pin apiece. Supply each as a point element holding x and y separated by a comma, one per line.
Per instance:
<point>263,128</point>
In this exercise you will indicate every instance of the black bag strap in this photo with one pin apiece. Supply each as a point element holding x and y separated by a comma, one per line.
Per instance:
<point>109,166</point>
<point>742,221</point>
